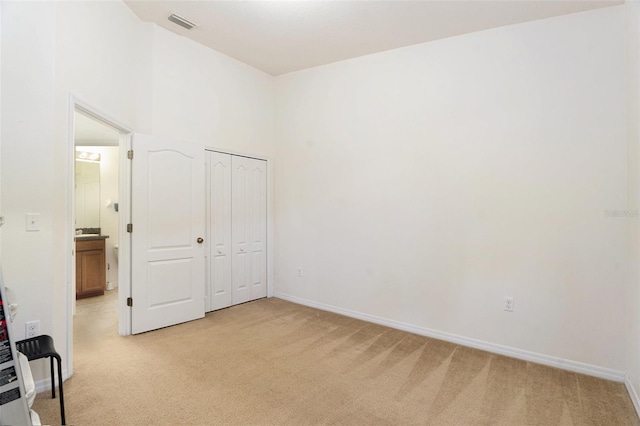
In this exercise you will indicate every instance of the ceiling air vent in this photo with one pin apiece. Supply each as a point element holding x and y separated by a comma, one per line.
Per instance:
<point>179,20</point>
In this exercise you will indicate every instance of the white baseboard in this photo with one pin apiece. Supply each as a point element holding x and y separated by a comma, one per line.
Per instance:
<point>44,385</point>
<point>632,394</point>
<point>565,364</point>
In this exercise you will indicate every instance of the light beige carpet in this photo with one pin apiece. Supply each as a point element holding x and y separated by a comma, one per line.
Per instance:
<point>271,362</point>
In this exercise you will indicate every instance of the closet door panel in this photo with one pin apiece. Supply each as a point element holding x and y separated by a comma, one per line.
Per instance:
<point>241,264</point>
<point>249,234</point>
<point>220,234</point>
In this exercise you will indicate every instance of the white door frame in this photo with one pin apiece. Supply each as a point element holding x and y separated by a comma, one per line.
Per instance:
<point>124,209</point>
<point>270,180</point>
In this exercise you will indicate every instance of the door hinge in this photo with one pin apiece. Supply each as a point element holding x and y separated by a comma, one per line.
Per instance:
<point>129,301</point>
<point>130,154</point>
<point>129,227</point>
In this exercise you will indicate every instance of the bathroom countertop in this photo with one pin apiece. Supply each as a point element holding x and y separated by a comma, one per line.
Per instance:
<point>89,237</point>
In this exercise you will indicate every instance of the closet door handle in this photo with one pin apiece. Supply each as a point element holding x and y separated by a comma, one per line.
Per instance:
<point>200,240</point>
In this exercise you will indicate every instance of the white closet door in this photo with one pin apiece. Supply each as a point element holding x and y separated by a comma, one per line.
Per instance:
<point>249,233</point>
<point>220,230</point>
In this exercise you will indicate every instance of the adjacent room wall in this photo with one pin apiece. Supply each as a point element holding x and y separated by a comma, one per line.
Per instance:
<point>109,217</point>
<point>421,186</point>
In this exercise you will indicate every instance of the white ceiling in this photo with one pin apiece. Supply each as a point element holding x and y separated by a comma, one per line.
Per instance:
<point>283,36</point>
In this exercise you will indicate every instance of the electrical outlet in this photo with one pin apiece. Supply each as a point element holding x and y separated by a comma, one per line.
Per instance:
<point>299,272</point>
<point>508,303</point>
<point>32,328</point>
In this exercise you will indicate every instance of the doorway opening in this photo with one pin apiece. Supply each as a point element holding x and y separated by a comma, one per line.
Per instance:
<point>96,203</point>
<point>98,211</point>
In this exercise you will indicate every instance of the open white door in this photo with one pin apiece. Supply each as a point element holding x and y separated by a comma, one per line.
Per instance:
<point>168,210</point>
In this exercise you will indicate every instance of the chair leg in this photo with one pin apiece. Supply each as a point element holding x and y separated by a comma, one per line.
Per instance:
<point>53,385</point>
<point>64,422</point>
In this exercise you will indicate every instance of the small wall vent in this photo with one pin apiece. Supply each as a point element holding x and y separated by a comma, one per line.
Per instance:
<point>179,20</point>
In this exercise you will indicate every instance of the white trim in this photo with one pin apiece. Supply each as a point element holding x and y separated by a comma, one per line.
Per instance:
<point>70,307</point>
<point>565,364</point>
<point>124,238</point>
<point>100,116</point>
<point>44,385</point>
<point>237,153</point>
<point>270,228</point>
<point>208,232</point>
<point>632,394</point>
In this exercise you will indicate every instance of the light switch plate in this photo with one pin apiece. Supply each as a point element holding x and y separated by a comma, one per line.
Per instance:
<point>33,222</point>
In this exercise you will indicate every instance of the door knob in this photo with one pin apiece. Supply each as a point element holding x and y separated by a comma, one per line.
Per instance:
<point>200,240</point>
<point>219,251</point>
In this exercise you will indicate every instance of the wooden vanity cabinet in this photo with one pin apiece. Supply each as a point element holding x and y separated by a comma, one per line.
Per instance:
<point>90,268</point>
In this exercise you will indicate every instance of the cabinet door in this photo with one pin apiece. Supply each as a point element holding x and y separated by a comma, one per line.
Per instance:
<point>93,271</point>
<point>249,234</point>
<point>90,268</point>
<point>219,248</point>
<point>78,274</point>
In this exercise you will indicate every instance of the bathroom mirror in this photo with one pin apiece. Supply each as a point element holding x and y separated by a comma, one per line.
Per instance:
<point>87,194</point>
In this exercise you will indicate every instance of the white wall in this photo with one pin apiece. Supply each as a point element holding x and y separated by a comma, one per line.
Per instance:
<point>424,184</point>
<point>28,127</point>
<point>202,95</point>
<point>632,320</point>
<point>101,53</point>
